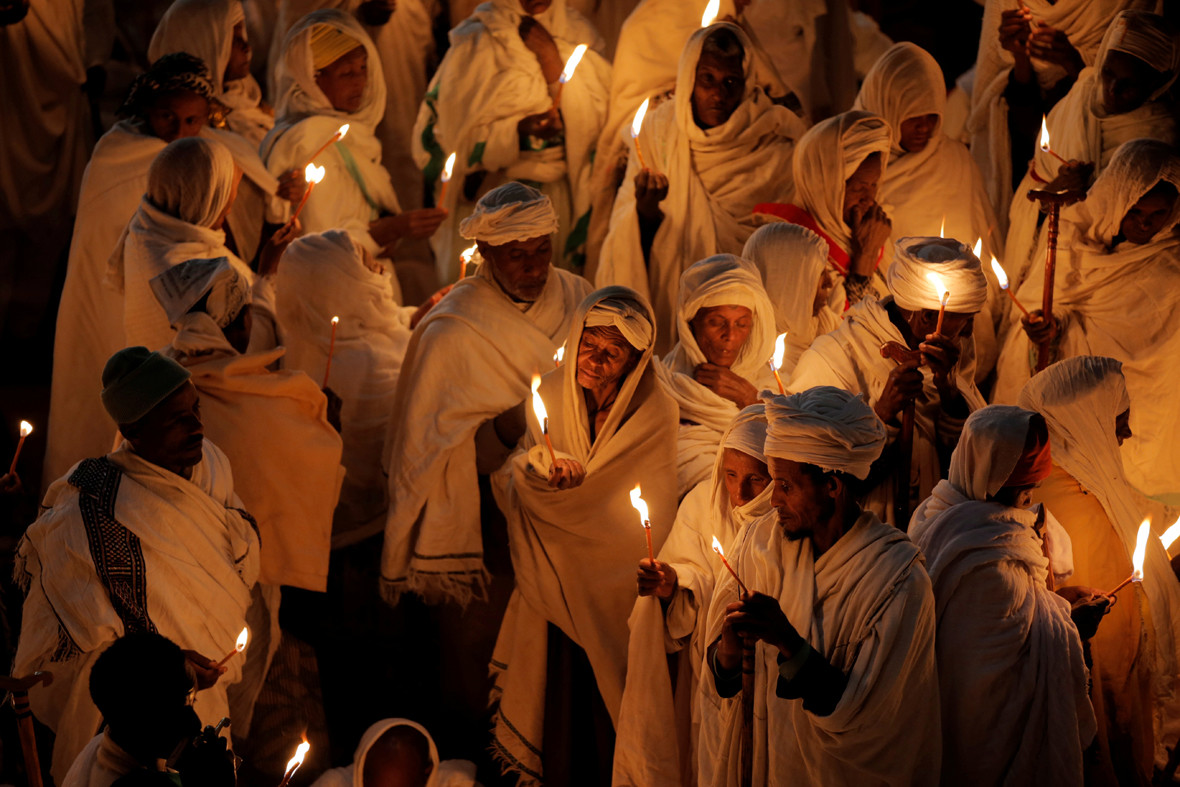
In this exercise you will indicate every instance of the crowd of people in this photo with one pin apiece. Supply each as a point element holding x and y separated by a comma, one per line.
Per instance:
<point>736,399</point>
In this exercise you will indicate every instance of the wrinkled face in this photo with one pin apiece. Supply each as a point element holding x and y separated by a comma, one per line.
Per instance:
<point>802,501</point>
<point>1127,82</point>
<point>955,325</point>
<point>916,132</point>
<point>520,267</point>
<point>238,66</point>
<point>1147,217</point>
<point>823,290</point>
<point>177,115</point>
<point>170,436</point>
<point>745,476</point>
<point>718,89</point>
<point>604,358</point>
<point>720,332</point>
<point>344,81</point>
<point>533,7</point>
<point>1122,426</point>
<point>861,187</point>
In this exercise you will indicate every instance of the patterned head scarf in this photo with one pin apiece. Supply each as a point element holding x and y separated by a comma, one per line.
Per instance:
<point>178,71</point>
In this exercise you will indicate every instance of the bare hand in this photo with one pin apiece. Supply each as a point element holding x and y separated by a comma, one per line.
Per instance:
<point>1015,27</point>
<point>651,188</point>
<point>429,304</point>
<point>566,474</point>
<point>10,484</point>
<point>902,387</point>
<point>1053,46</point>
<point>656,578</point>
<point>206,670</point>
<point>292,186</point>
<point>420,223</point>
<point>335,405</point>
<point>1038,329</point>
<point>1074,176</point>
<point>941,355</point>
<point>870,229</point>
<point>1087,607</point>
<point>729,645</point>
<point>538,41</point>
<point>759,617</point>
<point>543,125</point>
<point>726,384</point>
<point>272,251</point>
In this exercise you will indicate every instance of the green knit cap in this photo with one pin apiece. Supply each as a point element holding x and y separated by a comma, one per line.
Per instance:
<point>136,379</point>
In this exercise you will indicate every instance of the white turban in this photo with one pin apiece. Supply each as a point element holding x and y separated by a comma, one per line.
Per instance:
<point>512,212</point>
<point>790,259</point>
<point>826,427</point>
<point>634,324</point>
<point>958,268</point>
<point>747,433</point>
<point>182,287</point>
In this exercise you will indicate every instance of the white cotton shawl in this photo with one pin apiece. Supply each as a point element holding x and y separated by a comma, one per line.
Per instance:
<point>470,359</point>
<point>322,276</point>
<point>1009,658</point>
<point>447,773</point>
<point>716,176</point>
<point>574,551</point>
<point>1080,399</point>
<point>704,415</point>
<point>201,557</point>
<point>865,605</point>
<point>657,733</point>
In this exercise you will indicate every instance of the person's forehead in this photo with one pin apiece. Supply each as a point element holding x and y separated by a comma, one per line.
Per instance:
<point>530,244</point>
<point>732,310</point>
<point>715,62</point>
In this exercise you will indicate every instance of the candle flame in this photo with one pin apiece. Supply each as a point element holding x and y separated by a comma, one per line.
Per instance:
<point>448,168</point>
<point>637,123</point>
<point>571,65</point>
<point>1140,548</point>
<point>342,132</point>
<point>300,752</point>
<point>717,547</point>
<point>243,637</point>
<point>942,228</point>
<point>1044,135</point>
<point>467,253</point>
<point>1001,277</point>
<point>640,506</point>
<point>26,428</point>
<point>711,11</point>
<point>1171,534</point>
<point>977,249</point>
<point>560,354</point>
<point>335,320</point>
<point>313,174</point>
<point>780,349</point>
<point>539,406</point>
<point>936,281</point>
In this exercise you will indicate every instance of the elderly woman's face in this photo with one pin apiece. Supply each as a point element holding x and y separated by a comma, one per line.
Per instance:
<point>344,81</point>
<point>718,89</point>
<point>720,332</point>
<point>1127,82</point>
<point>1147,217</point>
<point>745,476</point>
<point>861,187</point>
<point>177,115</point>
<point>604,358</point>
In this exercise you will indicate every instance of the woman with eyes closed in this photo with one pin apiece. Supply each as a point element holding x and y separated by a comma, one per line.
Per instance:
<point>712,153</point>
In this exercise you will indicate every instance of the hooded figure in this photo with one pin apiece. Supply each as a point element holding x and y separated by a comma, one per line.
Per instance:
<point>402,757</point>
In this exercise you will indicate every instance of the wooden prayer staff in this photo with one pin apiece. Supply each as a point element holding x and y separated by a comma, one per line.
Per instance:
<point>943,296</point>
<point>639,505</point>
<point>331,349</point>
<point>1002,278</point>
<point>1051,203</point>
<point>543,418</point>
<point>899,354</point>
<point>339,135</point>
<point>1045,141</point>
<point>776,363</point>
<point>567,73</point>
<point>26,429</point>
<point>239,646</point>
<point>313,175</point>
<point>636,127</point>
<point>1137,557</point>
<point>448,168</point>
<point>19,688</point>
<point>294,763</point>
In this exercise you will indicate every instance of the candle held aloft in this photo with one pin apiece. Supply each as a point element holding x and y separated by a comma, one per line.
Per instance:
<point>558,355</point>
<point>543,419</point>
<point>636,127</point>
<point>239,646</point>
<point>1170,535</point>
<point>313,175</point>
<point>1137,556</point>
<point>567,73</point>
<point>721,554</point>
<point>711,10</point>
<point>1044,141</point>
<point>26,429</point>
<point>1002,278</point>
<point>331,349</point>
<point>638,503</point>
<point>339,135</point>
<point>944,295</point>
<point>776,363</point>
<point>465,258</point>
<point>295,762</point>
<point>448,168</point>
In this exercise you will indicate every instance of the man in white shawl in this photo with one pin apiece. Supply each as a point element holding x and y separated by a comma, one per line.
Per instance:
<point>725,325</point>
<point>659,716</point>
<point>1010,657</point>
<point>839,616</point>
<point>891,352</point>
<point>1117,294</point>
<point>399,752</point>
<point>712,153</point>
<point>150,537</point>
<point>329,77</point>
<point>480,346</point>
<point>493,104</point>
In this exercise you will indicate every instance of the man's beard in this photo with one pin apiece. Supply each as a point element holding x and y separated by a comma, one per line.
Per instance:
<point>797,535</point>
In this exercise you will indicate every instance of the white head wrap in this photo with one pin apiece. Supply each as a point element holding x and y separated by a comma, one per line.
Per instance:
<point>747,433</point>
<point>620,313</point>
<point>991,445</point>
<point>959,269</point>
<point>182,287</point>
<point>790,259</point>
<point>905,82</point>
<point>192,179</point>
<point>1135,169</point>
<point>204,29</point>
<point>512,212</point>
<point>1144,36</point>
<point>826,427</point>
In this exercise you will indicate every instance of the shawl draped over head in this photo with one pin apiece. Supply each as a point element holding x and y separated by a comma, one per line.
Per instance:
<point>447,773</point>
<point>512,212</point>
<point>574,550</point>
<point>716,177</point>
<point>914,261</point>
<point>824,426</point>
<point>1080,399</point>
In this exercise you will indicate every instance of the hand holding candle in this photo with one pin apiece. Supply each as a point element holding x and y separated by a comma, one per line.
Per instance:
<point>293,764</point>
<point>638,503</point>
<point>943,296</point>
<point>636,127</point>
<point>331,349</point>
<point>1044,141</point>
<point>567,73</point>
<point>26,429</point>
<point>776,363</point>
<point>239,646</point>
<point>721,554</point>
<point>1137,557</point>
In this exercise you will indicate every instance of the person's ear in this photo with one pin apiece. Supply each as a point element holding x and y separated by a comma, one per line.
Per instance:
<point>833,485</point>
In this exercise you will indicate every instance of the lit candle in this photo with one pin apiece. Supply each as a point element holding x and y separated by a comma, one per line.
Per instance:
<point>465,258</point>
<point>942,228</point>
<point>239,646</point>
<point>339,135</point>
<point>1002,278</point>
<point>542,418</point>
<point>293,764</point>
<point>776,363</point>
<point>1170,535</point>
<point>721,554</point>
<point>331,349</point>
<point>639,505</point>
<point>1137,557</point>
<point>1045,141</point>
<point>636,127</point>
<point>567,73</point>
<point>943,296</point>
<point>711,11</point>
<point>448,168</point>
<point>313,175</point>
<point>26,429</point>
<point>557,356</point>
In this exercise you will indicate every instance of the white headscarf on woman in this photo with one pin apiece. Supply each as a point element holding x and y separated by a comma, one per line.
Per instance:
<point>447,773</point>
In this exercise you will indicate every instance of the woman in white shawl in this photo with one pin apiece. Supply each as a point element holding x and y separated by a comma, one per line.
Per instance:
<point>1010,660</point>
<point>725,325</point>
<point>715,151</point>
<point>561,657</point>
<point>1117,294</point>
<point>330,76</point>
<point>1084,402</point>
<point>402,752</point>
<point>1120,98</point>
<point>492,103</point>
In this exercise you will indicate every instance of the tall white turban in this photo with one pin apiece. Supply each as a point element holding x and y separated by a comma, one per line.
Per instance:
<point>621,313</point>
<point>747,433</point>
<point>959,269</point>
<point>824,426</point>
<point>512,212</point>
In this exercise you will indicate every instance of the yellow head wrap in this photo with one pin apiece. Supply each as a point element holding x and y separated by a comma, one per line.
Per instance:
<point>329,44</point>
